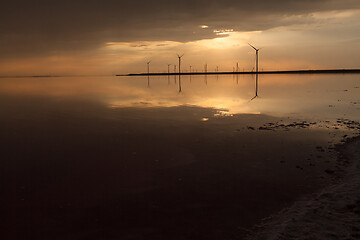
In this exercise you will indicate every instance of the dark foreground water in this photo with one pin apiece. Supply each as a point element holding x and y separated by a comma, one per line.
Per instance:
<point>203,157</point>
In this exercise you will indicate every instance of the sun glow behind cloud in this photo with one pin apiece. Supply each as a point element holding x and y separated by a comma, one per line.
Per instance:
<point>230,40</point>
<point>296,46</point>
<point>196,52</point>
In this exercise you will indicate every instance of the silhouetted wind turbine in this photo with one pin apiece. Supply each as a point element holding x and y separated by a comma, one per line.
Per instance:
<point>257,57</point>
<point>175,72</point>
<point>148,67</point>
<point>180,62</point>
<point>169,68</point>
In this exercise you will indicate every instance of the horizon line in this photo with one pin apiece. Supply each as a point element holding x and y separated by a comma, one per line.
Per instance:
<point>310,71</point>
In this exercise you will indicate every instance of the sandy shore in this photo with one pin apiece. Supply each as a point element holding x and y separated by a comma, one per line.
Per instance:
<point>333,213</point>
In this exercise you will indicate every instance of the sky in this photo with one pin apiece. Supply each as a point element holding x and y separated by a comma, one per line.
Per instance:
<point>107,37</point>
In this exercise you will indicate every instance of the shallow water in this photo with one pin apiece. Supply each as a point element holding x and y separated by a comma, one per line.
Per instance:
<point>162,157</point>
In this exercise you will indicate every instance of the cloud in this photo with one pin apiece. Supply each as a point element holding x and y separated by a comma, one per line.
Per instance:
<point>41,28</point>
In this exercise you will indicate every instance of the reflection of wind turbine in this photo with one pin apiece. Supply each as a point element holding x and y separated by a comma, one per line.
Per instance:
<point>257,57</point>
<point>179,84</point>
<point>180,62</point>
<point>148,67</point>
<point>190,72</point>
<point>256,87</point>
<point>169,73</point>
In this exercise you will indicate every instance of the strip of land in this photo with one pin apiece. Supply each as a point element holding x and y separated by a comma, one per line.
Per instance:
<point>326,71</point>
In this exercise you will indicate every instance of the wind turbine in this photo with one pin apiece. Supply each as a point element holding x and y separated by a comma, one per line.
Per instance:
<point>257,57</point>
<point>169,68</point>
<point>180,62</point>
<point>175,72</point>
<point>148,67</point>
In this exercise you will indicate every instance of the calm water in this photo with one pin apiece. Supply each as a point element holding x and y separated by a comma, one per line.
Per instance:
<point>162,157</point>
<point>307,96</point>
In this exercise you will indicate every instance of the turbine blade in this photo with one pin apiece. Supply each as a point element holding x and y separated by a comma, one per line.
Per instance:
<point>253,47</point>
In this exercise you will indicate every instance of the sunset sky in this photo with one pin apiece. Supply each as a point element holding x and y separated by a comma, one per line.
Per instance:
<point>110,37</point>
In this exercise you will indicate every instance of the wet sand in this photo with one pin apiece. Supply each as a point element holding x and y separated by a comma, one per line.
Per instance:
<point>332,213</point>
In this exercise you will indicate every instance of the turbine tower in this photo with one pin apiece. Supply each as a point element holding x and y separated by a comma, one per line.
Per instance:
<point>169,68</point>
<point>257,57</point>
<point>148,67</point>
<point>180,62</point>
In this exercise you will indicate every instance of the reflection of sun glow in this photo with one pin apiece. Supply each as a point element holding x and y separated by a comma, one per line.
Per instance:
<point>226,106</point>
<point>279,94</point>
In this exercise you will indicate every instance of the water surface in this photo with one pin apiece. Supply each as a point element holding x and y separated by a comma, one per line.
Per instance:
<point>200,157</point>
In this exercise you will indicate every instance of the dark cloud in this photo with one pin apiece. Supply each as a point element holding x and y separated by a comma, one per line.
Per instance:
<point>47,27</point>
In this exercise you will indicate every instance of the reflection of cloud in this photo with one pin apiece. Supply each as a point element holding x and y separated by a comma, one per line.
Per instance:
<point>225,106</point>
<point>278,94</point>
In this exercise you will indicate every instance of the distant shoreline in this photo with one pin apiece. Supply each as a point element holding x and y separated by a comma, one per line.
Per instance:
<point>326,71</point>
